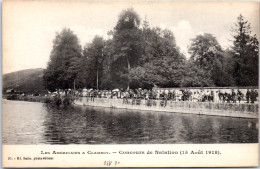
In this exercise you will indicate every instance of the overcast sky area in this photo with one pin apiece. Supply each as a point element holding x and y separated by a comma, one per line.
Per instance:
<point>30,27</point>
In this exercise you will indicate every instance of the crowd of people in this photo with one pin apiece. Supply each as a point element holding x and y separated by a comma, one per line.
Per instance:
<point>194,95</point>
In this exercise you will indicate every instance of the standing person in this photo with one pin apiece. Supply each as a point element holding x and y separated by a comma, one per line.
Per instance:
<point>157,95</point>
<point>229,97</point>
<point>124,97</point>
<point>224,96</point>
<point>166,97</point>
<point>256,94</point>
<point>162,95</point>
<point>234,95</point>
<point>173,95</point>
<point>194,97</point>
<point>93,95</point>
<point>208,96</point>
<point>170,95</point>
<point>239,95</point>
<point>109,94</point>
<point>200,95</point>
<point>182,95</point>
<point>166,92</point>
<point>216,96</point>
<point>119,94</point>
<point>248,94</point>
<point>127,96</point>
<point>190,95</point>
<point>253,96</point>
<point>197,96</point>
<point>105,94</point>
<point>147,95</point>
<point>211,96</point>
<point>220,96</point>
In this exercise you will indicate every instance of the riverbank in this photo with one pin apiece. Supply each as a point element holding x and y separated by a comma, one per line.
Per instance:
<point>243,110</point>
<point>58,100</point>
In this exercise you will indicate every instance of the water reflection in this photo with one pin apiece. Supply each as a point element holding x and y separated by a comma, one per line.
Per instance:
<point>36,123</point>
<point>22,122</point>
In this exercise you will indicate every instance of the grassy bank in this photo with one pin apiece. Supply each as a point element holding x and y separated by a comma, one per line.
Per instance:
<point>58,100</point>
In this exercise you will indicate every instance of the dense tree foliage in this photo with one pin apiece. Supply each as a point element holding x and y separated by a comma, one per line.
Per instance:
<point>245,54</point>
<point>195,76</point>
<point>161,63</point>
<point>205,50</point>
<point>62,68</point>
<point>91,64</point>
<point>207,55</point>
<point>127,38</point>
<point>138,55</point>
<point>108,51</point>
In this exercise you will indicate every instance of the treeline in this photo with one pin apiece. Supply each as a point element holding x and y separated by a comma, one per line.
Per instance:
<point>138,55</point>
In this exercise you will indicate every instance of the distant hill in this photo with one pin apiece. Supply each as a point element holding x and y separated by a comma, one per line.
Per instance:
<point>28,81</point>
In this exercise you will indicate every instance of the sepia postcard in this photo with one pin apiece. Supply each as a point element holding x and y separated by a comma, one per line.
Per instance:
<point>130,83</point>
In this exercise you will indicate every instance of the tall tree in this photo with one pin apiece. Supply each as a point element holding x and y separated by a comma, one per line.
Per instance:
<point>126,36</point>
<point>207,54</point>
<point>93,58</point>
<point>204,50</point>
<point>161,62</point>
<point>107,81</point>
<point>245,54</point>
<point>62,69</point>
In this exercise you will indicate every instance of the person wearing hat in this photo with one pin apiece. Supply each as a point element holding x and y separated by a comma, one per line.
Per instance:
<point>239,95</point>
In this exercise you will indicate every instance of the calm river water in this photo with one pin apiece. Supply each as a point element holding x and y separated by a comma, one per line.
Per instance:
<point>38,123</point>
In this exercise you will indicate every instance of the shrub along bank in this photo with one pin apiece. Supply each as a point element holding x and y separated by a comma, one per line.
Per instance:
<point>57,99</point>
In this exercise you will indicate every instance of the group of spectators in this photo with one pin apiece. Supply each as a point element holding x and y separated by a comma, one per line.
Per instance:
<point>194,95</point>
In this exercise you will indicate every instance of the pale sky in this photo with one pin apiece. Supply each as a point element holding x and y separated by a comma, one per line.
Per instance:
<point>29,27</point>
